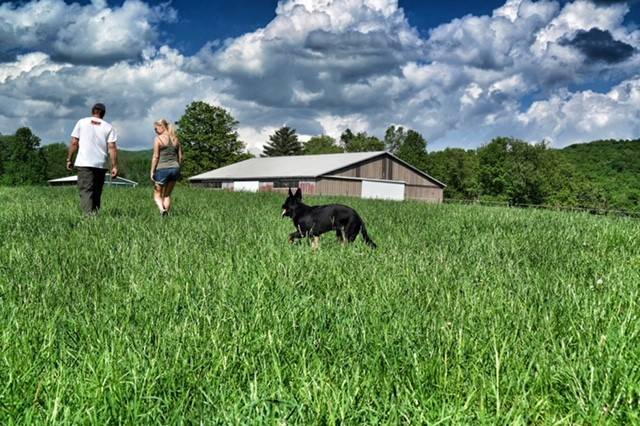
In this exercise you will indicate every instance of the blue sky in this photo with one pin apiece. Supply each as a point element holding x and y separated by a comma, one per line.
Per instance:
<point>201,22</point>
<point>459,72</point>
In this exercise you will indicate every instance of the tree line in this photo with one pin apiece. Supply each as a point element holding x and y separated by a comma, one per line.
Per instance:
<point>600,175</point>
<point>24,161</point>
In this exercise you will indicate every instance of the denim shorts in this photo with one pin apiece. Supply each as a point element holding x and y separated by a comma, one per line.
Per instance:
<point>164,176</point>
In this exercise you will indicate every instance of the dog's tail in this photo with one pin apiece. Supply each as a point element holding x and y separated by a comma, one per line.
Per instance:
<point>369,241</point>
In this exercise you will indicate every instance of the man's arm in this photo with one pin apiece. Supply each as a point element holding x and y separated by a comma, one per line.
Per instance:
<point>113,153</point>
<point>73,148</point>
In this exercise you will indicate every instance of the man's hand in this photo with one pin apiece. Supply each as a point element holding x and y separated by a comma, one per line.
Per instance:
<point>73,148</point>
<point>113,153</point>
<point>151,177</point>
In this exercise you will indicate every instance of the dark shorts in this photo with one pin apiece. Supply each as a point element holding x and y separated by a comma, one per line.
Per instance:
<point>164,176</point>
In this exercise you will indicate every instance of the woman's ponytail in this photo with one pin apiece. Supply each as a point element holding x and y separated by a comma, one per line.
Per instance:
<point>168,128</point>
<point>171,131</point>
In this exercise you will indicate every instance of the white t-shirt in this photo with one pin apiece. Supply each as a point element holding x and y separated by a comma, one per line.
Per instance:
<point>94,135</point>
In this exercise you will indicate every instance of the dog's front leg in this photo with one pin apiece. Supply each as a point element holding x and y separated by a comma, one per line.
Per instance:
<point>344,236</point>
<point>315,243</point>
<point>294,237</point>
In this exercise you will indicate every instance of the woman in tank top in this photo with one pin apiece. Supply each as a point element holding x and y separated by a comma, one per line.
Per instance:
<point>165,164</point>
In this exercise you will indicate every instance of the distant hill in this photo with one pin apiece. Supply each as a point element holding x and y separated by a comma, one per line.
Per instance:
<point>135,165</point>
<point>602,175</point>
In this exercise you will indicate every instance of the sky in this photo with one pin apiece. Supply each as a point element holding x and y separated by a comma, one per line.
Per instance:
<point>459,72</point>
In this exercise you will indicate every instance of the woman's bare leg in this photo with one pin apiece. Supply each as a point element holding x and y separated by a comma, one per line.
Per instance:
<point>166,195</point>
<point>157,196</point>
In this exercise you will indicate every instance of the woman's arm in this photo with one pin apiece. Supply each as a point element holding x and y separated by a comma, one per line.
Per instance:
<point>154,158</point>
<point>180,154</point>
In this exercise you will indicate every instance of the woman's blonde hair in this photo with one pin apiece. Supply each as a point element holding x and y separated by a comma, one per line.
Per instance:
<point>167,127</point>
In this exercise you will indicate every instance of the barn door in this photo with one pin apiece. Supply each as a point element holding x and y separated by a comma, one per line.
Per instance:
<point>383,190</point>
<point>249,186</point>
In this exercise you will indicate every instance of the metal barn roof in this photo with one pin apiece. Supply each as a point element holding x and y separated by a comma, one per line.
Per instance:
<point>288,166</point>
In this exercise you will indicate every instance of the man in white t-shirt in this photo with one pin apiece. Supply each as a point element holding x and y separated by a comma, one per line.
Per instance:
<point>95,140</point>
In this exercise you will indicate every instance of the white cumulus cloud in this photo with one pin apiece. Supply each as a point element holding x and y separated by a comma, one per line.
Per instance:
<point>91,34</point>
<point>323,65</point>
<point>586,115</point>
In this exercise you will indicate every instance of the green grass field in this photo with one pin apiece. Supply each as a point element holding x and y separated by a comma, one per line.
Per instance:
<point>465,314</point>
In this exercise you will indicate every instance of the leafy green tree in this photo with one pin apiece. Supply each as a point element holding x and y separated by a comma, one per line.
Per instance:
<point>55,155</point>
<point>514,170</point>
<point>578,191</point>
<point>22,161</point>
<point>321,145</point>
<point>244,156</point>
<point>283,142</point>
<point>413,150</point>
<point>346,137</point>
<point>526,169</point>
<point>493,175</point>
<point>3,153</point>
<point>458,169</point>
<point>394,137</point>
<point>360,142</point>
<point>209,137</point>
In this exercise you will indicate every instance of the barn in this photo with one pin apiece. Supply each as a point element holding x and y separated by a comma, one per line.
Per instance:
<point>360,174</point>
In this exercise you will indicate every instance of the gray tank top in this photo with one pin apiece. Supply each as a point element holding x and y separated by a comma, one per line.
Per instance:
<point>168,156</point>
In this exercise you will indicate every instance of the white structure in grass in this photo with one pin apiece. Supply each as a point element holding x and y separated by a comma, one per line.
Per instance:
<point>108,180</point>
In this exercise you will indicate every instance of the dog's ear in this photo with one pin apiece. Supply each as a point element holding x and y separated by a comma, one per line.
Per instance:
<point>290,193</point>
<point>298,193</point>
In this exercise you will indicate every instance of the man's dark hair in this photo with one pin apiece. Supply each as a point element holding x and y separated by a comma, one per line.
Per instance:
<point>98,109</point>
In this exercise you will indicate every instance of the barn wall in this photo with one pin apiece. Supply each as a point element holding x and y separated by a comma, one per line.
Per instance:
<point>347,173</point>
<point>352,188</point>
<point>401,172</point>
<point>213,184</point>
<point>386,168</point>
<point>307,187</point>
<point>371,169</point>
<point>278,190</point>
<point>266,186</point>
<point>422,193</point>
<point>328,186</point>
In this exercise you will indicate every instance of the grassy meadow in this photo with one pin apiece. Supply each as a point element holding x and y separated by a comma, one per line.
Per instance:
<point>464,315</point>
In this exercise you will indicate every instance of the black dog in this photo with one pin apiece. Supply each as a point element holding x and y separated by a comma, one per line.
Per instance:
<point>313,221</point>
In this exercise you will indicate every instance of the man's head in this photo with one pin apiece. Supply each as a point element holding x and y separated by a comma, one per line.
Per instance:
<point>98,110</point>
